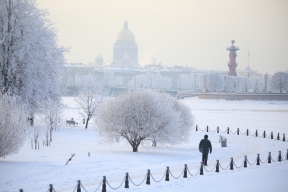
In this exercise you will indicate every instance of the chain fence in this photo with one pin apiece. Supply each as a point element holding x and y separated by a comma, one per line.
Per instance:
<point>80,188</point>
<point>247,133</point>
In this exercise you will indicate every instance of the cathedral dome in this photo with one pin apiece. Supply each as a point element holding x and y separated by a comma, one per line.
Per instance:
<point>125,34</point>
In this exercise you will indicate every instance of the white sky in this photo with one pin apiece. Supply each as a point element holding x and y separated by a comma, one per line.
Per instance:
<point>192,33</point>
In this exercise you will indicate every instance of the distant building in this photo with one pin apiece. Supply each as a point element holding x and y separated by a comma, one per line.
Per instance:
<point>125,50</point>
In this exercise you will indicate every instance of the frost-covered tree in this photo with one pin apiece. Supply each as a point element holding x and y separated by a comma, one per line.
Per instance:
<point>30,58</point>
<point>214,82</point>
<point>279,81</point>
<point>140,114</point>
<point>203,82</point>
<point>13,122</point>
<point>91,96</point>
<point>230,84</point>
<point>50,111</point>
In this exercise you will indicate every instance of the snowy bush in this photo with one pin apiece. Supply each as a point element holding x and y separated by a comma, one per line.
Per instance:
<point>13,122</point>
<point>145,114</point>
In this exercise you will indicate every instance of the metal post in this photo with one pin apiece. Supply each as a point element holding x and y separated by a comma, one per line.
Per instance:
<point>269,157</point>
<point>258,159</point>
<point>238,131</point>
<point>287,155</point>
<point>284,137</point>
<point>148,177</point>
<point>201,169</point>
<point>247,132</point>
<point>104,184</point>
<point>217,166</point>
<point>231,164</point>
<point>245,161</point>
<point>217,129</point>
<point>256,134</point>
<point>207,128</point>
<point>50,188</point>
<point>264,134</point>
<point>278,137</point>
<point>272,135</point>
<point>196,127</point>
<point>279,157</point>
<point>78,186</point>
<point>167,174</point>
<point>228,130</point>
<point>126,181</point>
<point>185,171</point>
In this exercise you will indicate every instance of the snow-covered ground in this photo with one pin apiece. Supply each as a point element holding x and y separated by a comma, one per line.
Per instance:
<point>33,170</point>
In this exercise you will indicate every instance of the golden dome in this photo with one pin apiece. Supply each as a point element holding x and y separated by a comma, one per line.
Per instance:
<point>125,34</point>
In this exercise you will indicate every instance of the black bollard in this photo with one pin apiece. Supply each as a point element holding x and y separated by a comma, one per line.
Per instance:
<point>258,159</point>
<point>245,161</point>
<point>287,155</point>
<point>167,174</point>
<point>207,128</point>
<point>284,137</point>
<point>247,132</point>
<point>217,129</point>
<point>278,137</point>
<point>272,135</point>
<point>21,190</point>
<point>269,157</point>
<point>217,166</point>
<point>279,157</point>
<point>238,131</point>
<point>231,164</point>
<point>126,181</point>
<point>148,177</point>
<point>104,184</point>
<point>264,134</point>
<point>50,188</point>
<point>78,186</point>
<point>185,171</point>
<point>228,130</point>
<point>201,169</point>
<point>196,127</point>
<point>256,134</point>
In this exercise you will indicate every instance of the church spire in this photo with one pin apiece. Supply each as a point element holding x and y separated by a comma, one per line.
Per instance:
<point>126,25</point>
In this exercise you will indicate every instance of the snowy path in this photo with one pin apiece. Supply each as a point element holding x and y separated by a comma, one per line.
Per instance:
<point>34,170</point>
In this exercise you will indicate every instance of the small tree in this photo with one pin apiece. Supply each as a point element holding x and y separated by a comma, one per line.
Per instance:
<point>140,114</point>
<point>91,97</point>
<point>279,81</point>
<point>50,111</point>
<point>13,122</point>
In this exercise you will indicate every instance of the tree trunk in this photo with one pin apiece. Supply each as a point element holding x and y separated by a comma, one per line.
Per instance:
<point>135,148</point>
<point>86,125</point>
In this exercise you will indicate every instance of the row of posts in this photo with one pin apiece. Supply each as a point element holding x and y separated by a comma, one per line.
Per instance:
<point>247,133</point>
<point>231,165</point>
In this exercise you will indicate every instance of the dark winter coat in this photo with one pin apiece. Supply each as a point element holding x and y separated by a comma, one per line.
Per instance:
<point>205,146</point>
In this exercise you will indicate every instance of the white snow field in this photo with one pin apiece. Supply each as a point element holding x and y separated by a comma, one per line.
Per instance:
<point>33,170</point>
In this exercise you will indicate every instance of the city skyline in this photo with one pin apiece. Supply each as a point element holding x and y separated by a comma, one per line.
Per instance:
<point>186,33</point>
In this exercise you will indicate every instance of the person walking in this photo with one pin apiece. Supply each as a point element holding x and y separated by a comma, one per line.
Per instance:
<point>204,147</point>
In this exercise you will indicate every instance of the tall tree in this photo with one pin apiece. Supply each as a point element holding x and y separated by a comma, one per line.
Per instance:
<point>140,114</point>
<point>91,96</point>
<point>30,58</point>
<point>279,81</point>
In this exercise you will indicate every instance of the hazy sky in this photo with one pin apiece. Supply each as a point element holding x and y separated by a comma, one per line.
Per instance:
<point>192,33</point>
